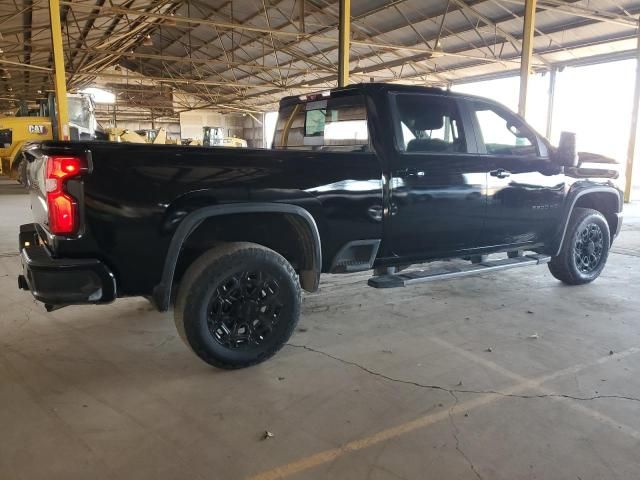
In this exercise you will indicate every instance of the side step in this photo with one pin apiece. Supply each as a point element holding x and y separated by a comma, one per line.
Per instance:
<point>430,275</point>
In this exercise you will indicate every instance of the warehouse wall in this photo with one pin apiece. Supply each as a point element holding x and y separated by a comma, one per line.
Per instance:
<point>191,123</point>
<point>253,131</point>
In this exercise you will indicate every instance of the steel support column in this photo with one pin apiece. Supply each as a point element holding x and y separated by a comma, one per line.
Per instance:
<point>62,124</point>
<point>527,53</point>
<point>344,43</point>
<point>301,15</point>
<point>633,133</point>
<point>551,100</point>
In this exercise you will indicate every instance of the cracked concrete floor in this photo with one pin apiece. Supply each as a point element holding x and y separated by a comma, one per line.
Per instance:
<point>374,384</point>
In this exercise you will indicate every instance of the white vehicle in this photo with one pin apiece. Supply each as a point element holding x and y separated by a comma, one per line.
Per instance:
<point>82,119</point>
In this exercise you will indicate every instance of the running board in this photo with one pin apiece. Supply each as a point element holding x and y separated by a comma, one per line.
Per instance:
<point>430,275</point>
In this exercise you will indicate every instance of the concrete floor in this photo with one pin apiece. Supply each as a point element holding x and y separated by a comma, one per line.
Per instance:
<point>394,384</point>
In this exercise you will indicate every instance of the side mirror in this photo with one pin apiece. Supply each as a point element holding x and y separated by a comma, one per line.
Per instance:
<point>566,154</point>
<point>515,129</point>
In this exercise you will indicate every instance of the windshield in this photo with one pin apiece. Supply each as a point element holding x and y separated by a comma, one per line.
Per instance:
<point>79,112</point>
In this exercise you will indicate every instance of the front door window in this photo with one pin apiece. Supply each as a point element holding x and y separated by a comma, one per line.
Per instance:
<point>503,133</point>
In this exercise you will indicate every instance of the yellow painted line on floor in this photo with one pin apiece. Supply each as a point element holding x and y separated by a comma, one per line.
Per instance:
<point>330,455</point>
<point>543,379</point>
<point>571,403</point>
<point>393,432</point>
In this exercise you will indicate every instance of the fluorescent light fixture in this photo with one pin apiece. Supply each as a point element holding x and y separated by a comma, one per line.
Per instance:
<point>437,52</point>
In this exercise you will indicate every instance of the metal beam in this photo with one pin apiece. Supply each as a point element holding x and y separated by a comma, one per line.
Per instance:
<point>59,73</point>
<point>633,133</point>
<point>428,53</point>
<point>301,15</point>
<point>179,19</point>
<point>25,66</point>
<point>551,100</point>
<point>318,36</point>
<point>561,6</point>
<point>194,60</point>
<point>344,46</point>
<point>315,36</point>
<point>526,54</point>
<point>186,81</point>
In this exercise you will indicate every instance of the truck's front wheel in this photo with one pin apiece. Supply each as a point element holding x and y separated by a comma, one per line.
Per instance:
<point>237,305</point>
<point>585,248</point>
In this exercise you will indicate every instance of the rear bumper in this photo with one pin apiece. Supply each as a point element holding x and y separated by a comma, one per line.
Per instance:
<point>62,281</point>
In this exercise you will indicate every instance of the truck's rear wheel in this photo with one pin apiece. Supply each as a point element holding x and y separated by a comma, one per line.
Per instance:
<point>237,305</point>
<point>585,248</point>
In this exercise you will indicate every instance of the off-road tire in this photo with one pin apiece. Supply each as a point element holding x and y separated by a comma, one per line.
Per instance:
<point>565,267</point>
<point>202,282</point>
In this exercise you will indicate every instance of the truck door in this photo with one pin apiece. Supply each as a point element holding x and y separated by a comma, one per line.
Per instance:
<point>437,187</point>
<point>524,188</point>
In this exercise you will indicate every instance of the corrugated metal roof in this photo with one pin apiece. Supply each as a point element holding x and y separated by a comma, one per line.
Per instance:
<point>247,54</point>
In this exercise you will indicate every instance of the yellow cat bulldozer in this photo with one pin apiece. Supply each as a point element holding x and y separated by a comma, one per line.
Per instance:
<point>214,137</point>
<point>36,125</point>
<point>154,136</point>
<point>14,133</point>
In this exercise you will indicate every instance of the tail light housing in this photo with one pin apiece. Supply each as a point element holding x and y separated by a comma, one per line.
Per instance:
<point>63,208</point>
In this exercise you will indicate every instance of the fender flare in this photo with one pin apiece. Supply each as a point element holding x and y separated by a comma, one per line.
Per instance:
<point>162,291</point>
<point>560,235</point>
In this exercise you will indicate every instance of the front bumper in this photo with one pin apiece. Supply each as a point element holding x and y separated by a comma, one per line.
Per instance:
<point>62,281</point>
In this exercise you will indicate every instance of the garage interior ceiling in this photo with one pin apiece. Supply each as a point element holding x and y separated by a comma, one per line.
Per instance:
<point>245,55</point>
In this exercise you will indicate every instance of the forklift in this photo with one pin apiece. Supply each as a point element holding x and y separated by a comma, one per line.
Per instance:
<point>214,137</point>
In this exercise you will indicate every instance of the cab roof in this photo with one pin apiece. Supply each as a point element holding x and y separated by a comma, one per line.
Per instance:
<point>373,88</point>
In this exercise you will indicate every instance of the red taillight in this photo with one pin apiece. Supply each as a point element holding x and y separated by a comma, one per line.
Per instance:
<point>63,209</point>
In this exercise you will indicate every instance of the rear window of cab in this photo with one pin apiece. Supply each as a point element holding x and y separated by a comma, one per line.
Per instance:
<point>324,123</point>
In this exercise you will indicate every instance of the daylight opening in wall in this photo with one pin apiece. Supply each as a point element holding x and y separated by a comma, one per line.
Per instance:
<point>100,96</point>
<point>270,119</point>
<point>600,116</point>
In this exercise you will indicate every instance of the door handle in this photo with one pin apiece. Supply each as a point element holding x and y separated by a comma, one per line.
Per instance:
<point>411,172</point>
<point>500,173</point>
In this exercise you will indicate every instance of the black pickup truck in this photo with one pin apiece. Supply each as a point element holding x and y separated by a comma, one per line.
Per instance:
<point>367,177</point>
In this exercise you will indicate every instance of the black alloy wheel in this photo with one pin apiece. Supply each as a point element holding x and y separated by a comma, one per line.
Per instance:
<point>588,248</point>
<point>244,309</point>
